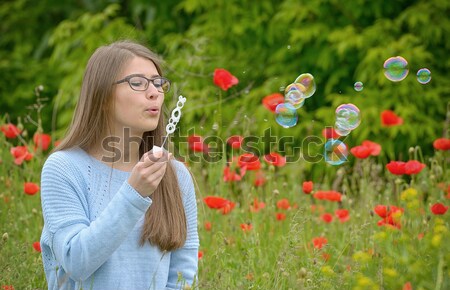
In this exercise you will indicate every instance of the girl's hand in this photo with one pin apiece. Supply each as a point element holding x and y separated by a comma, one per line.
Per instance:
<point>148,172</point>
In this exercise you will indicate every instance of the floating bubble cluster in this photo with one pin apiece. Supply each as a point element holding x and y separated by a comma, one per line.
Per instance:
<point>286,115</point>
<point>396,68</point>
<point>358,86</point>
<point>424,76</point>
<point>335,152</point>
<point>295,94</point>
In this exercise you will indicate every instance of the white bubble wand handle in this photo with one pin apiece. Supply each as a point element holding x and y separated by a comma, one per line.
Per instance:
<point>174,119</point>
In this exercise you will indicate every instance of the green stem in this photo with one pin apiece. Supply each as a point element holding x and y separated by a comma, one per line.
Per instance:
<point>439,272</point>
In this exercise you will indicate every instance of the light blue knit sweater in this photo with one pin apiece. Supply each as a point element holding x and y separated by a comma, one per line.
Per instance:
<point>92,225</point>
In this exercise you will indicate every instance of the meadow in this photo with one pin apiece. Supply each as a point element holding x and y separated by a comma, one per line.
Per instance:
<point>273,221</point>
<point>278,208</point>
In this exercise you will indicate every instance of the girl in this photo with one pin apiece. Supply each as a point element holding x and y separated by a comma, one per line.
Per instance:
<point>118,215</point>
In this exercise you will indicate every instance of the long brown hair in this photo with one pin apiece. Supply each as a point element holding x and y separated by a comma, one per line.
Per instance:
<point>165,220</point>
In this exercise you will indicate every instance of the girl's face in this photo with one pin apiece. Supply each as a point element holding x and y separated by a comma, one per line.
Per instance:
<point>137,111</point>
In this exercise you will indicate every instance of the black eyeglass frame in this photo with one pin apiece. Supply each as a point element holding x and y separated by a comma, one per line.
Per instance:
<point>149,80</point>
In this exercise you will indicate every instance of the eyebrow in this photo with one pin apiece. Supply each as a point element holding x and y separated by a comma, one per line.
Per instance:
<point>142,75</point>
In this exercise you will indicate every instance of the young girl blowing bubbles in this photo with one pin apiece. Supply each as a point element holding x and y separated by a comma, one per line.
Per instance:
<point>117,214</point>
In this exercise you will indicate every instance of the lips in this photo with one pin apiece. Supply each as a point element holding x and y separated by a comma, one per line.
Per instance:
<point>154,110</point>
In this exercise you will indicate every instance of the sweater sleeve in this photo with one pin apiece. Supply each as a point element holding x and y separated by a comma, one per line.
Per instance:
<point>184,261</point>
<point>79,245</point>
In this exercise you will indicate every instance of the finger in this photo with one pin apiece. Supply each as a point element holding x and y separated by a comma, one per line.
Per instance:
<point>150,158</point>
<point>154,177</point>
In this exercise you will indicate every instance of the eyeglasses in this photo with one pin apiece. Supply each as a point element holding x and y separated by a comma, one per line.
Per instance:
<point>140,83</point>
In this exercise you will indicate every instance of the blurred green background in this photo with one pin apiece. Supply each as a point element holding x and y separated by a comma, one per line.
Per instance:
<point>265,44</point>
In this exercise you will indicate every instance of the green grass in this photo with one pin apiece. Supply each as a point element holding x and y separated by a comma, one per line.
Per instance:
<point>276,254</point>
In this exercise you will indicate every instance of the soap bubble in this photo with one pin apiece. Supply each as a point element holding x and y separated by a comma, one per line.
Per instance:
<point>335,152</point>
<point>294,96</point>
<point>396,68</point>
<point>424,76</point>
<point>358,86</point>
<point>347,117</point>
<point>286,115</point>
<point>308,82</point>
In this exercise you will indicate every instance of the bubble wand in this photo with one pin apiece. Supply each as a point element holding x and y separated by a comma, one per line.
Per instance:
<point>173,121</point>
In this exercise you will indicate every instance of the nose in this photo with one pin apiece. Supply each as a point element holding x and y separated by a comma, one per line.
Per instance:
<point>152,92</point>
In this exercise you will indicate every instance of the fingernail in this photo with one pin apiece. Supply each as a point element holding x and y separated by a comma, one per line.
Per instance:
<point>158,154</point>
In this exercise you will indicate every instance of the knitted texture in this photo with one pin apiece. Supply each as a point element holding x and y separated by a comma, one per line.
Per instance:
<point>93,221</point>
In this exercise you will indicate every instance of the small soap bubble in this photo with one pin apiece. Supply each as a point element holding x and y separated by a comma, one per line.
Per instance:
<point>282,88</point>
<point>396,68</point>
<point>215,126</point>
<point>347,117</point>
<point>424,76</point>
<point>286,115</point>
<point>288,47</point>
<point>308,82</point>
<point>294,96</point>
<point>358,86</point>
<point>335,152</point>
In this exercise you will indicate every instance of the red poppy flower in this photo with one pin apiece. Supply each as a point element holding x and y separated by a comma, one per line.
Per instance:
<point>260,178</point>
<point>30,188</point>
<point>441,144</point>
<point>439,209</point>
<point>10,130</point>
<point>42,141</point>
<point>384,211</point>
<point>389,215</point>
<point>342,214</point>
<point>280,216</point>
<point>246,227</point>
<point>7,287</point>
<point>307,187</point>
<point>360,151</point>
<point>275,159</point>
<point>235,141</point>
<point>326,217</point>
<point>208,226</point>
<point>272,101</point>
<point>224,79</point>
<point>413,167</point>
<point>381,211</point>
<point>328,195</point>
<point>330,133</point>
<point>283,204</point>
<point>257,205</point>
<point>200,255</point>
<point>227,208</point>
<point>396,167</point>
<point>407,286</point>
<point>389,118</point>
<point>196,144</point>
<point>37,246</point>
<point>251,161</point>
<point>319,242</point>
<point>231,175</point>
<point>374,148</point>
<point>216,202</point>
<point>20,154</point>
